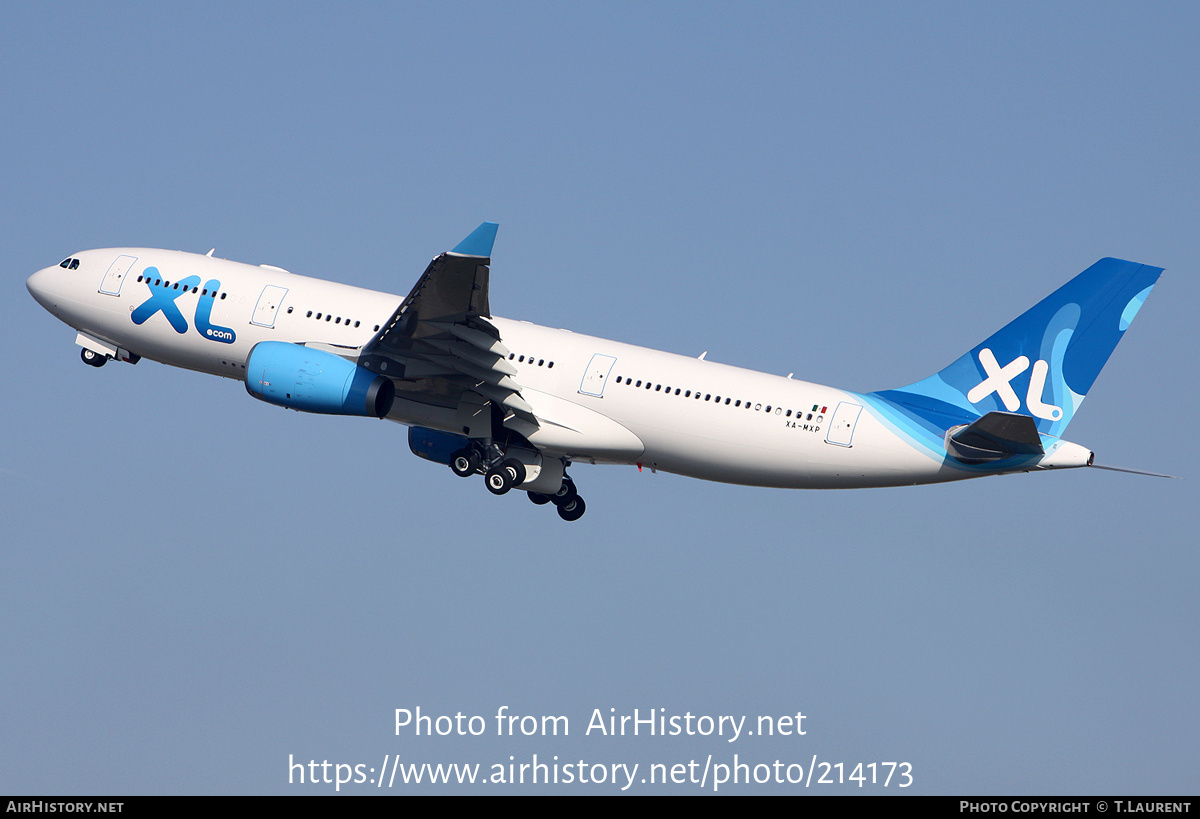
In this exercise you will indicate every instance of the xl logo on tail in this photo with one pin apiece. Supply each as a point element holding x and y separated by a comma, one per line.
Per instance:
<point>999,381</point>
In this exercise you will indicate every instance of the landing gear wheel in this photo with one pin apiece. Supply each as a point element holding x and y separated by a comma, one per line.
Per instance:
<point>499,480</point>
<point>572,509</point>
<point>516,469</point>
<point>538,498</point>
<point>465,463</point>
<point>93,358</point>
<point>566,492</point>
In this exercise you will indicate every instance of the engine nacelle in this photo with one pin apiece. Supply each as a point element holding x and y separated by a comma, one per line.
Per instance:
<point>302,378</point>
<point>434,445</point>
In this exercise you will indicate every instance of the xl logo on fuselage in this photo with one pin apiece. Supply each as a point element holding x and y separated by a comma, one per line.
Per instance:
<point>162,298</point>
<point>999,381</point>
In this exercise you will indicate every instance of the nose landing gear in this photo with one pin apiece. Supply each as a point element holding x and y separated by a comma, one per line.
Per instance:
<point>93,358</point>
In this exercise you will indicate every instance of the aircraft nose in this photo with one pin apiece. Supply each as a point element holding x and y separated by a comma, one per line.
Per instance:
<point>39,285</point>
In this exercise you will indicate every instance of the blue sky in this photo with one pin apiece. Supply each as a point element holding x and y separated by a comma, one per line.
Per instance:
<point>198,585</point>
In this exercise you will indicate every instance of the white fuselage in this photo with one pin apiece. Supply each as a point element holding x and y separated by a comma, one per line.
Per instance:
<point>598,400</point>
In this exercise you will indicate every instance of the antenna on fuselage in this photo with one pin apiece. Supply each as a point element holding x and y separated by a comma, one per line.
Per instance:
<point>210,253</point>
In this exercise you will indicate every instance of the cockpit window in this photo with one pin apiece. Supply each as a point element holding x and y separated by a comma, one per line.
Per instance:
<point>69,263</point>
<point>74,263</point>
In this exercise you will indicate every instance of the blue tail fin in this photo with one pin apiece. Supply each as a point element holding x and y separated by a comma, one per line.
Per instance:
<point>1043,363</point>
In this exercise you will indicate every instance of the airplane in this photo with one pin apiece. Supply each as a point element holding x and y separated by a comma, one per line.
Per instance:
<point>519,403</point>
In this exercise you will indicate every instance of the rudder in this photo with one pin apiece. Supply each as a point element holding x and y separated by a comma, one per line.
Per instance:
<point>1043,363</point>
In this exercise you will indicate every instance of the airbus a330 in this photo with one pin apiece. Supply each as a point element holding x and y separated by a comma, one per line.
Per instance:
<point>518,404</point>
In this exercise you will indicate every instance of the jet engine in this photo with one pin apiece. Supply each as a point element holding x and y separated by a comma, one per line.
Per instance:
<point>310,380</point>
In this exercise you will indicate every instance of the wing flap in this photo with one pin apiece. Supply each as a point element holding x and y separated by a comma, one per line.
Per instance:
<point>487,360</point>
<point>476,338</point>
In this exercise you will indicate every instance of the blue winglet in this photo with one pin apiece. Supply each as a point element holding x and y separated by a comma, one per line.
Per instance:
<point>480,242</point>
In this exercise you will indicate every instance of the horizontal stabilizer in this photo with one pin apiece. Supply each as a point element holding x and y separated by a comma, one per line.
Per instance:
<point>994,437</point>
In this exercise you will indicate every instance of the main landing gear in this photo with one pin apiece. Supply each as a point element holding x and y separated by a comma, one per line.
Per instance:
<point>502,474</point>
<point>570,505</point>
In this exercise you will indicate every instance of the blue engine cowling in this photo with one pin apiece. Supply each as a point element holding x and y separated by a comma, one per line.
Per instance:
<point>436,446</point>
<point>302,378</point>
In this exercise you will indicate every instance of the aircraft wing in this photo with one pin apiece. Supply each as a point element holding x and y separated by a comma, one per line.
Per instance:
<point>440,347</point>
